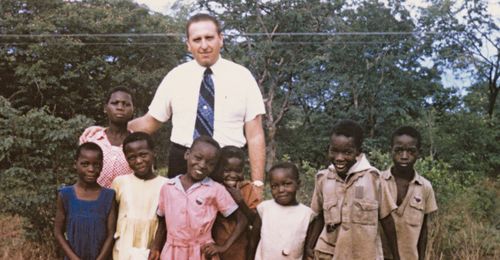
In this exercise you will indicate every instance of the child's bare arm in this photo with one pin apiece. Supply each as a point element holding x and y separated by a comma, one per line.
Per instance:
<point>241,224</point>
<point>110,232</point>
<point>159,240</point>
<point>422,239</point>
<point>59,229</point>
<point>390,230</point>
<point>313,232</point>
<point>254,238</point>
<point>238,198</point>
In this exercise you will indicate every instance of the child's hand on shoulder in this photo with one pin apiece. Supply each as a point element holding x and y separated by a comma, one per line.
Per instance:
<point>236,194</point>
<point>211,249</point>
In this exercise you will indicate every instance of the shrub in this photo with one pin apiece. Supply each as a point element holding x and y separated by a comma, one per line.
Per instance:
<point>36,151</point>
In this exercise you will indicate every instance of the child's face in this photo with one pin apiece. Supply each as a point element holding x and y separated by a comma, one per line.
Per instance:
<point>284,186</point>
<point>88,166</point>
<point>140,158</point>
<point>404,152</point>
<point>232,173</point>
<point>342,153</point>
<point>119,108</point>
<point>201,160</point>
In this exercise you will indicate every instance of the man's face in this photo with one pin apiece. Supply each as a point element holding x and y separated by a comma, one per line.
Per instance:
<point>204,42</point>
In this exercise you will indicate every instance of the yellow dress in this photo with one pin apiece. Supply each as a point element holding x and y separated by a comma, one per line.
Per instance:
<point>137,222</point>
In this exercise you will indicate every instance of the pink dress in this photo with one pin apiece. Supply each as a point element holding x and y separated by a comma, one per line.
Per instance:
<point>190,215</point>
<point>114,162</point>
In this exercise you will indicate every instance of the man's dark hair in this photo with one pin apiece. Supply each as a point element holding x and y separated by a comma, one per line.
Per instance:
<point>89,146</point>
<point>349,128</point>
<point>286,166</point>
<point>407,130</point>
<point>139,136</point>
<point>202,17</point>
<point>118,89</point>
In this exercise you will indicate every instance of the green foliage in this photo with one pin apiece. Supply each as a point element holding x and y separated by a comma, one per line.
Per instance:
<point>35,159</point>
<point>61,60</point>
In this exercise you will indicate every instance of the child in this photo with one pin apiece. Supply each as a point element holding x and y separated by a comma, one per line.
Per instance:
<point>350,199</point>
<point>85,210</point>
<point>137,195</point>
<point>283,222</point>
<point>119,109</point>
<point>230,173</point>
<point>411,192</point>
<point>188,206</point>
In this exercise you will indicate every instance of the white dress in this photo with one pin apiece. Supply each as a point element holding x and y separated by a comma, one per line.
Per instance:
<point>283,231</point>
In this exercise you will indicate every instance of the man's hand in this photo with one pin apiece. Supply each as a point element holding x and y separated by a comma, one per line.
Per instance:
<point>89,133</point>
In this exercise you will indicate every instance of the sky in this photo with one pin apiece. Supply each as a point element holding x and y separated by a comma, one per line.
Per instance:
<point>449,79</point>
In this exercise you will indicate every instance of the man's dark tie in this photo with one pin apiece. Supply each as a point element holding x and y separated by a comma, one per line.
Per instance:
<point>205,115</point>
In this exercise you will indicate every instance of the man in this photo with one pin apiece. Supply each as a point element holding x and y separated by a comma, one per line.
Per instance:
<point>237,103</point>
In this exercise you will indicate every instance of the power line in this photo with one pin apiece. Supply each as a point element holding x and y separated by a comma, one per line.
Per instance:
<point>182,44</point>
<point>257,34</point>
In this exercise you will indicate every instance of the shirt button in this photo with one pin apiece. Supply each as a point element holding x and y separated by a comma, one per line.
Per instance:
<point>204,107</point>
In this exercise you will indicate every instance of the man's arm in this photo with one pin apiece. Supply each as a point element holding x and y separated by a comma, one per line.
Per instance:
<point>256,142</point>
<point>422,239</point>
<point>146,123</point>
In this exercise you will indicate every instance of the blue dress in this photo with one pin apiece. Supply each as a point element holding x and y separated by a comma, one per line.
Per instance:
<point>86,221</point>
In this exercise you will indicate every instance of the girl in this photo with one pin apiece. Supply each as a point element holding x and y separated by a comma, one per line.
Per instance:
<point>283,222</point>
<point>85,210</point>
<point>137,195</point>
<point>230,173</point>
<point>119,108</point>
<point>188,206</point>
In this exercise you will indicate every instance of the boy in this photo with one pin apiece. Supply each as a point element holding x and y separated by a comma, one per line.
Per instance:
<point>411,192</point>
<point>350,199</point>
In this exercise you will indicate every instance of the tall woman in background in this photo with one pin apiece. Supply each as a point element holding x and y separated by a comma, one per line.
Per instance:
<point>119,109</point>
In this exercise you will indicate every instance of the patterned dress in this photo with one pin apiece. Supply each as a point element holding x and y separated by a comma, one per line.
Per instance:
<point>86,221</point>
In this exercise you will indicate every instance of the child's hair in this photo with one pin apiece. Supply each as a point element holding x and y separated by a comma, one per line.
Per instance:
<point>139,136</point>
<point>231,151</point>
<point>118,89</point>
<point>349,128</point>
<point>226,152</point>
<point>89,146</point>
<point>407,130</point>
<point>208,140</point>
<point>286,166</point>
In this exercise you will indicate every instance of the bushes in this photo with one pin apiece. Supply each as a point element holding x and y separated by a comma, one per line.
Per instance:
<point>36,154</point>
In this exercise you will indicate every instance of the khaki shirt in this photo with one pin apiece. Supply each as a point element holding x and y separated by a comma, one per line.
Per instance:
<point>351,210</point>
<point>409,216</point>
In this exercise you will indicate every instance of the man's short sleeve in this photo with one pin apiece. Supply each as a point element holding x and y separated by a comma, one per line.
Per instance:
<point>224,202</point>
<point>254,101</point>
<point>386,203</point>
<point>160,107</point>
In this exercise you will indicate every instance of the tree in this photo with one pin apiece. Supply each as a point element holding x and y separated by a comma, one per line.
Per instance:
<point>466,37</point>
<point>67,55</point>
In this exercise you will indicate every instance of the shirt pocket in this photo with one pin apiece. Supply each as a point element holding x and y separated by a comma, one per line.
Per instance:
<point>415,214</point>
<point>365,212</point>
<point>331,212</point>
